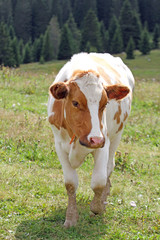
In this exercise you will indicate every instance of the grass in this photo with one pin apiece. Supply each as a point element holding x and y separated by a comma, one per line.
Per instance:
<point>33,198</point>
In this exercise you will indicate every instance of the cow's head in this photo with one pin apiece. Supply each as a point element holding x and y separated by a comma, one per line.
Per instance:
<point>85,98</point>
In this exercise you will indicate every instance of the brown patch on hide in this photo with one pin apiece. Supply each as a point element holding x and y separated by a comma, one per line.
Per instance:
<point>104,75</point>
<point>125,117</point>
<point>103,63</point>
<point>57,117</point>
<point>118,114</point>
<point>80,73</point>
<point>120,127</point>
<point>77,117</point>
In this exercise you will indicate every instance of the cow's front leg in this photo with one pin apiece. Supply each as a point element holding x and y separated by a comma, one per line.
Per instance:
<point>99,179</point>
<point>71,183</point>
<point>72,212</point>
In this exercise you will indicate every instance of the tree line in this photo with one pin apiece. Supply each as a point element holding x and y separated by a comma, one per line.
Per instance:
<point>43,30</point>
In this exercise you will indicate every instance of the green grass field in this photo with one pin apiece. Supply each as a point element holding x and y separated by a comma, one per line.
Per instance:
<point>33,198</point>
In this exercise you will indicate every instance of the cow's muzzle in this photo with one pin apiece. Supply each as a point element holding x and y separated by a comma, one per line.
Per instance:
<point>94,142</point>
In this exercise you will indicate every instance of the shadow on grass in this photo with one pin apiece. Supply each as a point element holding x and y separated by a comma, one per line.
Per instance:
<point>51,227</point>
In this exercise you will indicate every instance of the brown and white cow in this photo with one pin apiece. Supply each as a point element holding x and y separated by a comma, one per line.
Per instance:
<point>88,106</point>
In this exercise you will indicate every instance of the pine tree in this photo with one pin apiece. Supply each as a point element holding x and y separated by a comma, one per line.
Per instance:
<point>104,38</point>
<point>134,4</point>
<point>65,49</point>
<point>6,12</point>
<point>149,12</point>
<point>76,34</point>
<point>57,11</point>
<point>104,9</point>
<point>62,10</point>
<point>130,49</point>
<point>35,50</point>
<point>6,51</point>
<point>11,32</point>
<point>27,53</point>
<point>126,22</point>
<point>157,11</point>
<point>81,8</point>
<point>88,47</point>
<point>40,17</point>
<point>72,3</point>
<point>54,34</point>
<point>117,42</point>
<point>41,61</point>
<point>136,30</point>
<point>156,36</point>
<point>23,20</point>
<point>66,7</point>
<point>15,47</point>
<point>21,50</point>
<point>78,12</point>
<point>117,5</point>
<point>106,42</point>
<point>91,31</point>
<point>113,25</point>
<point>46,48</point>
<point>145,42</point>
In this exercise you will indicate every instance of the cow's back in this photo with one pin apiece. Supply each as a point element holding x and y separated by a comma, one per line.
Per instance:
<point>112,69</point>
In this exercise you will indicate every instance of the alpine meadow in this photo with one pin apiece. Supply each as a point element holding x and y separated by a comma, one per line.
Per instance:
<point>33,198</point>
<point>37,37</point>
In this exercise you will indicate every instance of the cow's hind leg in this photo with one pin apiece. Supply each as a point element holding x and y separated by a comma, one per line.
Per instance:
<point>99,179</point>
<point>111,163</point>
<point>97,206</point>
<point>106,191</point>
<point>99,201</point>
<point>112,149</point>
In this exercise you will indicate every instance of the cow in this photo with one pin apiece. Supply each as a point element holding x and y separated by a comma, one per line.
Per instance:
<point>89,103</point>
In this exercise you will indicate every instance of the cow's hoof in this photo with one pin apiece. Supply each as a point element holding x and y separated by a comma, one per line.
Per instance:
<point>70,223</point>
<point>97,208</point>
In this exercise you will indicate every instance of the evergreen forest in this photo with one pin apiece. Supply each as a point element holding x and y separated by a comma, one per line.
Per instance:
<point>44,30</point>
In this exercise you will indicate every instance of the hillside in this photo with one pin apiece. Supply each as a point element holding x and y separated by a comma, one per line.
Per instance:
<point>43,30</point>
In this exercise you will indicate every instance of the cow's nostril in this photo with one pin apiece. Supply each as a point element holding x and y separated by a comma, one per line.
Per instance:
<point>91,140</point>
<point>96,140</point>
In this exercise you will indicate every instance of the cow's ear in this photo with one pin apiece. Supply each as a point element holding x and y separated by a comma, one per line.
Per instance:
<point>59,90</point>
<point>117,92</point>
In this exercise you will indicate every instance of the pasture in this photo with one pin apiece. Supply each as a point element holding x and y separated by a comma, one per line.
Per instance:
<point>33,198</point>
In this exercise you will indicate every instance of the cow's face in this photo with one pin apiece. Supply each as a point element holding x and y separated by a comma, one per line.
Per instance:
<point>85,99</point>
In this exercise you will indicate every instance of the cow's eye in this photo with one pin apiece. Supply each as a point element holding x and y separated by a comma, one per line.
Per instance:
<point>75,103</point>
